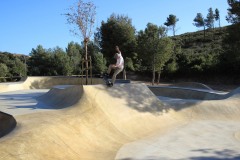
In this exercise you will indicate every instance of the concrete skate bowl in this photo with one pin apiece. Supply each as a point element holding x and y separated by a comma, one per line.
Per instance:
<point>194,85</point>
<point>127,122</point>
<point>195,91</point>
<point>45,82</point>
<point>7,123</point>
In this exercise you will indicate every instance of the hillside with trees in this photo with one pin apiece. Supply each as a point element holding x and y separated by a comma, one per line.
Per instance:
<point>210,54</point>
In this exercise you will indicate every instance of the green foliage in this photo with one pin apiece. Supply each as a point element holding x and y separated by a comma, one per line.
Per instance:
<point>99,63</point>
<point>98,60</point>
<point>14,63</point>
<point>190,62</point>
<point>171,22</point>
<point>198,55</point>
<point>172,67</point>
<point>56,61</point>
<point>231,55</point>
<point>146,51</point>
<point>129,64</point>
<point>199,20</point>
<point>117,31</point>
<point>61,62</point>
<point>210,19</point>
<point>137,62</point>
<point>75,53</point>
<point>40,62</point>
<point>162,31</point>
<point>3,70</point>
<point>234,11</point>
<point>157,51</point>
<point>164,53</point>
<point>17,67</point>
<point>49,62</point>
<point>217,16</point>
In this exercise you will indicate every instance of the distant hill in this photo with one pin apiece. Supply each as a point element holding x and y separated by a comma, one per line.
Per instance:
<point>203,58</point>
<point>196,42</point>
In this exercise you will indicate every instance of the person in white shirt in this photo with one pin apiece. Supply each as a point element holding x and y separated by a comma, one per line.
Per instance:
<point>118,67</point>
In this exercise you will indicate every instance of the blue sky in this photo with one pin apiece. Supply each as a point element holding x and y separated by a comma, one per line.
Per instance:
<point>28,23</point>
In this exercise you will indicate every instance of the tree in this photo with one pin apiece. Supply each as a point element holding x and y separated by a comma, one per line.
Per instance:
<point>61,63</point>
<point>117,31</point>
<point>83,16</point>
<point>3,70</point>
<point>231,57</point>
<point>164,53</point>
<point>98,60</point>
<point>217,16</point>
<point>75,52</point>
<point>17,67</point>
<point>171,22</point>
<point>234,11</point>
<point>40,62</point>
<point>199,22</point>
<point>99,63</point>
<point>156,52</point>
<point>210,18</point>
<point>162,31</point>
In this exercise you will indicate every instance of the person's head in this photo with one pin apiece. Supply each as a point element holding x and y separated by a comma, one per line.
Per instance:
<point>117,49</point>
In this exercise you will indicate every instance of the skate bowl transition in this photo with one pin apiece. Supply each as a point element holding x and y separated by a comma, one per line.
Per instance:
<point>125,122</point>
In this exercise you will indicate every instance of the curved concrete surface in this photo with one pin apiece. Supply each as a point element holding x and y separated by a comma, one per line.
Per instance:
<point>126,122</point>
<point>62,96</point>
<point>195,85</point>
<point>7,123</point>
<point>46,82</point>
<point>190,93</point>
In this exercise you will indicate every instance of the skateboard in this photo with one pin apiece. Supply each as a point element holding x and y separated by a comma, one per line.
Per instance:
<point>107,81</point>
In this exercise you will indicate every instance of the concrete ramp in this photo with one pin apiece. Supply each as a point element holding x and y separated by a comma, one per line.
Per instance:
<point>46,82</point>
<point>62,96</point>
<point>125,122</point>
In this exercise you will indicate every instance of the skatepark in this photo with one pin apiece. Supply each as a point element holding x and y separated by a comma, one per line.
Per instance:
<point>59,118</point>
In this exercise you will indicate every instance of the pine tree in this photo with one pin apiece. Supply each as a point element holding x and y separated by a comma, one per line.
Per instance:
<point>171,22</point>
<point>217,16</point>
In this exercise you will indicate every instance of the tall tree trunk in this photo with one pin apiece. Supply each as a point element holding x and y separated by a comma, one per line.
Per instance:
<point>159,75</point>
<point>86,59</point>
<point>153,69</point>
<point>204,30</point>
<point>173,30</point>
<point>153,75</point>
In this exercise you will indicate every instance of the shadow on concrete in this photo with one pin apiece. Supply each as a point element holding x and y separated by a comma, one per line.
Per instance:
<point>7,123</point>
<point>224,154</point>
<point>28,101</point>
<point>142,99</point>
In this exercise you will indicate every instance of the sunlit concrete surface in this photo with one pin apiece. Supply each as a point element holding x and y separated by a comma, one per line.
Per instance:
<point>124,122</point>
<point>22,102</point>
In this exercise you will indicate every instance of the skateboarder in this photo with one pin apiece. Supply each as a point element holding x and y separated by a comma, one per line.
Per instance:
<point>118,67</point>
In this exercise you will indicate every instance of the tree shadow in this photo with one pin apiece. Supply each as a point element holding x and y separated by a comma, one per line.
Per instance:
<point>142,99</point>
